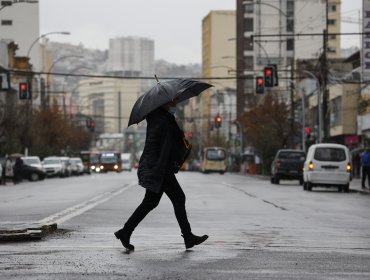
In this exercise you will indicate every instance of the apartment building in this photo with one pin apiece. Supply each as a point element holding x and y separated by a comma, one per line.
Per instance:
<point>20,23</point>
<point>218,60</point>
<point>108,102</point>
<point>131,55</point>
<point>263,30</point>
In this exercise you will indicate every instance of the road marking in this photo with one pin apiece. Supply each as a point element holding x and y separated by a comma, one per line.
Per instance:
<point>80,208</point>
<point>253,196</point>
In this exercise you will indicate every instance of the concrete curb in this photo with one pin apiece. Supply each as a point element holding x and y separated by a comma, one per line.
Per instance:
<point>354,185</point>
<point>27,234</point>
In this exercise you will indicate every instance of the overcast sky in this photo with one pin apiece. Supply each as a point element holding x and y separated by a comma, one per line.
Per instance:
<point>174,25</point>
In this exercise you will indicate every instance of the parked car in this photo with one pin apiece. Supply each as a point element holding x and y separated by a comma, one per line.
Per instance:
<point>53,166</point>
<point>31,173</point>
<point>77,167</point>
<point>32,161</point>
<point>327,165</point>
<point>287,165</point>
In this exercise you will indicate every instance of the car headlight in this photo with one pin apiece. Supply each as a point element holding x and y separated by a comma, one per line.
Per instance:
<point>101,166</point>
<point>92,167</point>
<point>116,166</point>
<point>97,169</point>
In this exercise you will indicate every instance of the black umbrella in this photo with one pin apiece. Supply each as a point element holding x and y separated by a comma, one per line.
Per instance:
<point>162,93</point>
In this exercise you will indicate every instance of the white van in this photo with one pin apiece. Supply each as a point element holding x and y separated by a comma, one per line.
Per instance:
<point>327,165</point>
<point>126,161</point>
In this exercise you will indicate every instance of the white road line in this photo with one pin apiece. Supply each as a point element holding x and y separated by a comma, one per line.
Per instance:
<point>80,208</point>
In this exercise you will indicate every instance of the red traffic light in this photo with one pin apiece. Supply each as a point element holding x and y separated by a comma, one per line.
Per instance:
<point>260,81</point>
<point>23,86</point>
<point>218,119</point>
<point>268,72</point>
<point>308,130</point>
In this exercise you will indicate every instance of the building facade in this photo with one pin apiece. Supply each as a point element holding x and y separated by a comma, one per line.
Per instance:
<point>108,102</point>
<point>267,33</point>
<point>218,60</point>
<point>20,23</point>
<point>131,55</point>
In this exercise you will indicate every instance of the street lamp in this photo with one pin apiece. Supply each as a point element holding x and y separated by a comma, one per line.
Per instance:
<point>44,35</point>
<point>53,64</point>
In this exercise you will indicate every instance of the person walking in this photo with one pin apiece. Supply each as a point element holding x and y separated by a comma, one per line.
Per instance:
<point>365,163</point>
<point>156,173</point>
<point>9,170</point>
<point>18,166</point>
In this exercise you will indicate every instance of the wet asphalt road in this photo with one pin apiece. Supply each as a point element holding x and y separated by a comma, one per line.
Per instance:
<point>257,230</point>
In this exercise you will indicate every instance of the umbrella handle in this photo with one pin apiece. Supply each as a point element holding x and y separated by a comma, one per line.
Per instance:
<point>155,76</point>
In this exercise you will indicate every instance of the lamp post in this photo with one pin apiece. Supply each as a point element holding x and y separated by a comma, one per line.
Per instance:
<point>52,66</point>
<point>44,35</point>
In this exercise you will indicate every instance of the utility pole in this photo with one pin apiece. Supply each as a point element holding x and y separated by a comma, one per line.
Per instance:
<point>325,91</point>
<point>119,112</point>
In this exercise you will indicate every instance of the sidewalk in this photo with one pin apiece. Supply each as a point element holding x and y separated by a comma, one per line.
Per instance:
<point>355,185</point>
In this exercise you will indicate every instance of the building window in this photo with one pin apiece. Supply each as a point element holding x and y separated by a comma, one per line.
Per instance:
<point>332,8</point>
<point>290,45</point>
<point>290,25</point>
<point>248,44</point>
<point>331,50</point>
<point>336,115</point>
<point>249,62</point>
<point>332,37</point>
<point>6,22</point>
<point>249,7</point>
<point>248,25</point>
<point>331,21</point>
<point>290,8</point>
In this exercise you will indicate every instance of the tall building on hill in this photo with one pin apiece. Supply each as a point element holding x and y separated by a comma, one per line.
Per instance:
<point>131,56</point>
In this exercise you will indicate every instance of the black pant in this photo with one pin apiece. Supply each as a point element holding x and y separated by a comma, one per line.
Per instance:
<point>151,199</point>
<point>365,173</point>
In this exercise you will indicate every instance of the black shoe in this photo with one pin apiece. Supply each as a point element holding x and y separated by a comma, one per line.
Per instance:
<point>191,240</point>
<point>125,239</point>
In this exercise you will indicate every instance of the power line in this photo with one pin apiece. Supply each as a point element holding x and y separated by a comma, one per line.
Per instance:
<point>310,34</point>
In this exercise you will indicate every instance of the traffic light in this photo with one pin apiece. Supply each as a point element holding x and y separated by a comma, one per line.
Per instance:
<point>211,125</point>
<point>24,90</point>
<point>260,89</point>
<point>218,122</point>
<point>268,74</point>
<point>308,134</point>
<point>92,126</point>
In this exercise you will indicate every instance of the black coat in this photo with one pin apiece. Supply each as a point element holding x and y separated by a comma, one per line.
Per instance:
<point>163,137</point>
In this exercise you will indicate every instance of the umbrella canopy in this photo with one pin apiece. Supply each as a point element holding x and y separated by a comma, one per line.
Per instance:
<point>162,93</point>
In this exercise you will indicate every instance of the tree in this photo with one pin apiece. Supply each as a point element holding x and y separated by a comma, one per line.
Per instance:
<point>267,127</point>
<point>52,134</point>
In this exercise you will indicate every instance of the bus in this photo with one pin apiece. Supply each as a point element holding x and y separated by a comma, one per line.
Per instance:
<point>110,161</point>
<point>213,160</point>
